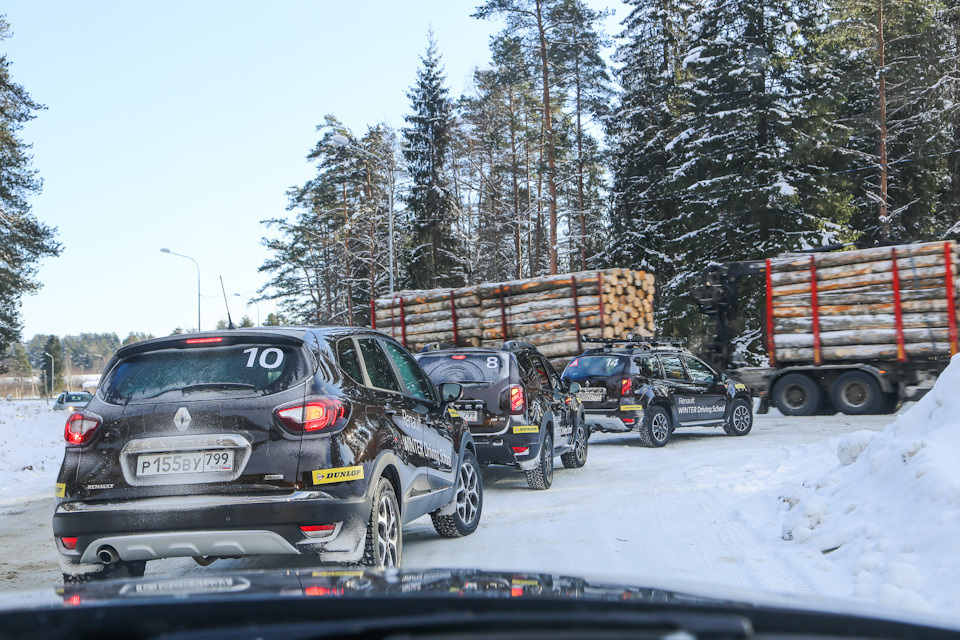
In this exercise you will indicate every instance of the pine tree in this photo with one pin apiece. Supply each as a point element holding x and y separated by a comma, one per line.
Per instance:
<point>23,239</point>
<point>431,255</point>
<point>51,370</point>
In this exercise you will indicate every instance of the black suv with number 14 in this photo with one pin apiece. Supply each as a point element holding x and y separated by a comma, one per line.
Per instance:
<point>320,441</point>
<point>654,387</point>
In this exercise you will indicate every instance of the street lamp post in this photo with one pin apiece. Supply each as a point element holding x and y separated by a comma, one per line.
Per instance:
<point>53,374</point>
<point>255,303</point>
<point>165,250</point>
<point>344,141</point>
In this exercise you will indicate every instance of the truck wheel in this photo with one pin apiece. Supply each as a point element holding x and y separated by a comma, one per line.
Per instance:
<point>857,393</point>
<point>541,477</point>
<point>797,395</point>
<point>576,457</point>
<point>656,428</point>
<point>384,544</point>
<point>741,419</point>
<point>468,502</point>
<point>891,402</point>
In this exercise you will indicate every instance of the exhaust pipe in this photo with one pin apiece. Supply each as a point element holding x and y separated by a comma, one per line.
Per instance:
<point>107,554</point>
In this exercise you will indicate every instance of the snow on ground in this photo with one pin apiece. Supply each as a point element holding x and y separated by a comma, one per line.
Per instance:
<point>883,523</point>
<point>837,506</point>
<point>31,450</point>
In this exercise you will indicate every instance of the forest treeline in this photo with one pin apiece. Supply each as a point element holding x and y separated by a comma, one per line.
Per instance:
<point>722,130</point>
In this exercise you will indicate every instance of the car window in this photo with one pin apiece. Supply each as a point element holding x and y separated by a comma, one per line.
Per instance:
<point>552,377</point>
<point>542,378</point>
<point>699,372</point>
<point>237,369</point>
<point>466,368</point>
<point>377,366</point>
<point>586,366</point>
<point>415,383</point>
<point>348,359</point>
<point>673,368</point>
<point>648,367</point>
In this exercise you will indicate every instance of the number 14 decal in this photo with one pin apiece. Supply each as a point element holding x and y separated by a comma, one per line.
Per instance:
<point>265,357</point>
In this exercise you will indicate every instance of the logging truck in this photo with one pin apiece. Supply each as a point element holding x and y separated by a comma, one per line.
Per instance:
<point>856,331</point>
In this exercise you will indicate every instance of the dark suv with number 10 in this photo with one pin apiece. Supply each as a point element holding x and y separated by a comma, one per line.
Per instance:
<point>321,441</point>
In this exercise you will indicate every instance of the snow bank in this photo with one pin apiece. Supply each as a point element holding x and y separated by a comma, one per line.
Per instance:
<point>31,450</point>
<point>885,521</point>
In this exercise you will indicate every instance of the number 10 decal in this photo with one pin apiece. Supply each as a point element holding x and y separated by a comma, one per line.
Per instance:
<point>265,357</point>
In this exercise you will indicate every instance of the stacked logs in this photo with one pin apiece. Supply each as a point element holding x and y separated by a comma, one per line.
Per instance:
<point>885,303</point>
<point>552,312</point>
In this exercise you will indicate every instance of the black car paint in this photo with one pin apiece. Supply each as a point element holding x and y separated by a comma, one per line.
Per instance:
<point>689,403</point>
<point>280,464</point>
<point>494,433</point>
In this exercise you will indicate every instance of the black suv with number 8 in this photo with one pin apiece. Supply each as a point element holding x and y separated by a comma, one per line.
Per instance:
<point>319,441</point>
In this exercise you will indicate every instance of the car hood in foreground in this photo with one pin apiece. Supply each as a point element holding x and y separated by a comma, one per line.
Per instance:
<point>312,603</point>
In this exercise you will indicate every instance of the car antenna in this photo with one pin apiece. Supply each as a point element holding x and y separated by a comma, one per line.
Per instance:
<point>227,305</point>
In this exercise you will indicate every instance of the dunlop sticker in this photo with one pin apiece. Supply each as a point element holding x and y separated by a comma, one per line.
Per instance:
<point>524,582</point>
<point>631,407</point>
<point>740,386</point>
<point>526,428</point>
<point>341,474</point>
<point>60,491</point>
<point>337,574</point>
<point>453,412</point>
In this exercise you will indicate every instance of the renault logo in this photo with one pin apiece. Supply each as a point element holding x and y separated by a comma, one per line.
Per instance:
<point>182,419</point>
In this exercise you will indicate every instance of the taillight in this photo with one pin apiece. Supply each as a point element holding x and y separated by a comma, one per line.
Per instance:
<point>316,414</point>
<point>69,542</point>
<point>520,451</point>
<point>517,401</point>
<point>204,340</point>
<point>80,428</point>
<point>318,530</point>
<point>626,387</point>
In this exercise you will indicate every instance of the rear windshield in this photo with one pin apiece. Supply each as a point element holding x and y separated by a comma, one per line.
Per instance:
<point>466,368</point>
<point>588,366</point>
<point>231,371</point>
<point>77,397</point>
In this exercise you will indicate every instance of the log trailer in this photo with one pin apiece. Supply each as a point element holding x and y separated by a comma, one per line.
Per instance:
<point>855,331</point>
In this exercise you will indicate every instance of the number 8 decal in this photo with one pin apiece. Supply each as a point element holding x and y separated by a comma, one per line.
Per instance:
<point>493,362</point>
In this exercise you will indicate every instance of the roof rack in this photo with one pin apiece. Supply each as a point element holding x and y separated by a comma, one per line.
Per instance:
<point>648,342</point>
<point>436,346</point>
<point>513,345</point>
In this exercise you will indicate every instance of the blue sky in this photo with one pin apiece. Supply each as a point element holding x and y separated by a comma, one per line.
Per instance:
<point>181,124</point>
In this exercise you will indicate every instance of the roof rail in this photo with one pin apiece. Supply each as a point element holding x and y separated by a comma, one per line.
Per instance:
<point>513,345</point>
<point>649,342</point>
<point>436,346</point>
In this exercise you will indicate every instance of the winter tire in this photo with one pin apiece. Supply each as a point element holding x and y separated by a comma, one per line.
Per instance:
<point>541,477</point>
<point>741,419</point>
<point>656,428</point>
<point>797,395</point>
<point>384,545</point>
<point>468,501</point>
<point>857,393</point>
<point>577,457</point>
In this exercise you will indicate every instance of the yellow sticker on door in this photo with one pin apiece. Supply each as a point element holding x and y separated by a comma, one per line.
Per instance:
<point>526,428</point>
<point>453,412</point>
<point>341,474</point>
<point>60,491</point>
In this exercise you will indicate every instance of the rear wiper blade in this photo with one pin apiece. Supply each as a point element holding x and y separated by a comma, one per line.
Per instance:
<point>218,385</point>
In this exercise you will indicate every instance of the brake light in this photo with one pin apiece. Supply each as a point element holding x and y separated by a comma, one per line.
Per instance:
<point>318,530</point>
<point>459,357</point>
<point>316,414</point>
<point>80,428</point>
<point>626,386</point>
<point>203,340</point>
<point>69,543</point>
<point>517,399</point>
<point>322,591</point>
<point>520,450</point>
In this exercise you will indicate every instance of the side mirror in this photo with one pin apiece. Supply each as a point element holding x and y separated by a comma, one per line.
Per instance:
<point>574,387</point>
<point>450,392</point>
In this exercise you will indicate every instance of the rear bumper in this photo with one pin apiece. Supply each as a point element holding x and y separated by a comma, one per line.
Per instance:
<point>499,450</point>
<point>207,526</point>
<point>612,419</point>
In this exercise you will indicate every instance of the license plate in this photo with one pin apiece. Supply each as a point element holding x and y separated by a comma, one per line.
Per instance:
<point>592,395</point>
<point>187,462</point>
<point>469,416</point>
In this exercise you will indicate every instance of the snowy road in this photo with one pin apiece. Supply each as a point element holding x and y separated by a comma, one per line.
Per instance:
<point>703,509</point>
